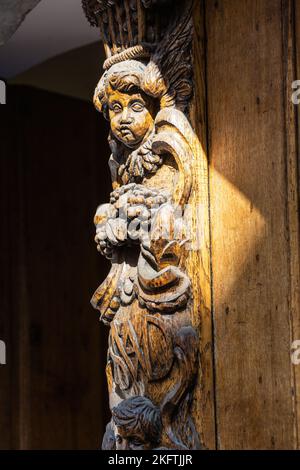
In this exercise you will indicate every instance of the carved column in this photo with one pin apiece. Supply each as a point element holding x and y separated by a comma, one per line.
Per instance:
<point>150,228</point>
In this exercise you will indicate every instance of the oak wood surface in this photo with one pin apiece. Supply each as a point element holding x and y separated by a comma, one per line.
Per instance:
<point>200,262</point>
<point>294,189</point>
<point>249,224</point>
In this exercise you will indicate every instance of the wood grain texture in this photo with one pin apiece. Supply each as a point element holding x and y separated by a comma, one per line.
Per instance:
<point>291,149</point>
<point>200,262</point>
<point>294,191</point>
<point>53,386</point>
<point>297,49</point>
<point>249,220</point>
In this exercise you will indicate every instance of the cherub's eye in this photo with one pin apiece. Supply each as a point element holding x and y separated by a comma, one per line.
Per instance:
<point>137,106</point>
<point>136,442</point>
<point>116,107</point>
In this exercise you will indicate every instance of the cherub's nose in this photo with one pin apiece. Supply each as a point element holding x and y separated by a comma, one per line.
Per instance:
<point>126,117</point>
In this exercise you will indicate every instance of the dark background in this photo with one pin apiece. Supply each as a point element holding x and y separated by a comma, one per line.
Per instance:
<point>53,174</point>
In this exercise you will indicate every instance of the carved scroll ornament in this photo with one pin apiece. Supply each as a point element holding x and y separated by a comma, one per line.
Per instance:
<point>144,229</point>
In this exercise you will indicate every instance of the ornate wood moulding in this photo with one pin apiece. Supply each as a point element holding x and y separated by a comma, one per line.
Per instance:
<point>147,229</point>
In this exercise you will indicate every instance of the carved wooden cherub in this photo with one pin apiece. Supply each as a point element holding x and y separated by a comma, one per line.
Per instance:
<point>144,230</point>
<point>137,101</point>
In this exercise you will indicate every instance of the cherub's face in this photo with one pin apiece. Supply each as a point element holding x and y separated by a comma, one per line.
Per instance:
<point>130,117</point>
<point>128,441</point>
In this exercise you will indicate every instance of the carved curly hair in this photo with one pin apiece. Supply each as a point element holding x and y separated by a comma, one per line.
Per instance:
<point>129,76</point>
<point>139,415</point>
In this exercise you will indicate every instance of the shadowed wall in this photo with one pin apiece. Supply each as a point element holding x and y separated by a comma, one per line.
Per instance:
<point>53,175</point>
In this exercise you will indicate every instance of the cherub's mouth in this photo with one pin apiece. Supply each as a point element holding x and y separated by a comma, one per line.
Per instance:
<point>125,131</point>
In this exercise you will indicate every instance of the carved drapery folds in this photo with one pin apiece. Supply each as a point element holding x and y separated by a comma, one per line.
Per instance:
<point>145,228</point>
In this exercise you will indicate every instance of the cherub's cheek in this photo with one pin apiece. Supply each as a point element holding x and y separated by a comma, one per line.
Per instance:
<point>114,124</point>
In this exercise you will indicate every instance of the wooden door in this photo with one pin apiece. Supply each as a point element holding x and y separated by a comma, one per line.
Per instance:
<point>53,176</point>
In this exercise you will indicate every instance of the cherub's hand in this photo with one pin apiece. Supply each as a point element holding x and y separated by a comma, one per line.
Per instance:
<point>135,196</point>
<point>103,245</point>
<point>103,215</point>
<point>136,204</point>
<point>129,212</point>
<point>119,192</point>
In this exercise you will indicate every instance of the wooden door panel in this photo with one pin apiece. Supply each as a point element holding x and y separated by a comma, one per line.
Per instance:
<point>53,180</point>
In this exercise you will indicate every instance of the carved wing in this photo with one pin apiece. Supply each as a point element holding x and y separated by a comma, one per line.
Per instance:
<point>92,8</point>
<point>173,58</point>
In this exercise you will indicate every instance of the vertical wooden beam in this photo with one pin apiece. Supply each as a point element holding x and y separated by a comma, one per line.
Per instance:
<point>249,225</point>
<point>201,271</point>
<point>293,118</point>
<point>297,47</point>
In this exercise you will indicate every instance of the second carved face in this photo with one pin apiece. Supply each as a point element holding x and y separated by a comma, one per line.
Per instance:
<point>131,116</point>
